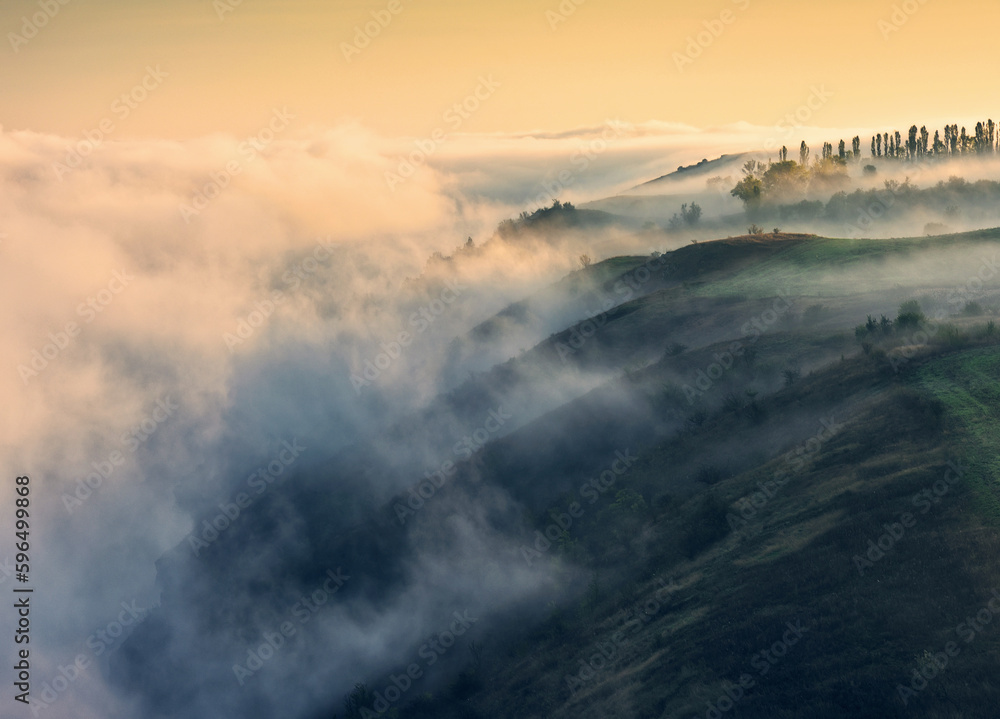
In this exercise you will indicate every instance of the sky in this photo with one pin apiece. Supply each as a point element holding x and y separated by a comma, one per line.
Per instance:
<point>559,64</point>
<point>166,168</point>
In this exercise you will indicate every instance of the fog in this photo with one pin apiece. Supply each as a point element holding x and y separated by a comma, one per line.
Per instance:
<point>173,325</point>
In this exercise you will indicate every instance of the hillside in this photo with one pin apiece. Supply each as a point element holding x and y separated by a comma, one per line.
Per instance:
<point>685,470</point>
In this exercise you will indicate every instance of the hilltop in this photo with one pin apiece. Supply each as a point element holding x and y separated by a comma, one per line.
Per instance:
<point>690,473</point>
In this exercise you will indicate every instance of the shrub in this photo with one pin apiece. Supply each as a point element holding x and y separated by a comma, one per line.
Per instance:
<point>910,315</point>
<point>707,525</point>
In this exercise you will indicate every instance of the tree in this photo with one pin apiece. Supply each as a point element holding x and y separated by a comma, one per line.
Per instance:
<point>784,178</point>
<point>922,148</point>
<point>783,154</point>
<point>585,261</point>
<point>842,150</point>
<point>879,146</point>
<point>752,168</point>
<point>804,154</point>
<point>689,216</point>
<point>878,140</point>
<point>911,143</point>
<point>361,697</point>
<point>939,147</point>
<point>856,148</point>
<point>749,190</point>
<point>899,145</point>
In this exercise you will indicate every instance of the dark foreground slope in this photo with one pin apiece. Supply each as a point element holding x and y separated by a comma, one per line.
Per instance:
<point>700,492</point>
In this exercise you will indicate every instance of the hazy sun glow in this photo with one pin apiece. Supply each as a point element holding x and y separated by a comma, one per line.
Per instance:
<point>561,64</point>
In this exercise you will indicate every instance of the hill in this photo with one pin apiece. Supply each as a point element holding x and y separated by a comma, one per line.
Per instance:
<point>750,476</point>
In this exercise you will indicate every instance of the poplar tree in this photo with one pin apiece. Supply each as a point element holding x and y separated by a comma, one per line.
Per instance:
<point>939,147</point>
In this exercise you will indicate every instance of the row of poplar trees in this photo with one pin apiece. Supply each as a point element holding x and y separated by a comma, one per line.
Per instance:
<point>916,146</point>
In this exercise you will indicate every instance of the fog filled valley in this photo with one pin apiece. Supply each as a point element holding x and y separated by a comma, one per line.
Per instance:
<point>625,441</point>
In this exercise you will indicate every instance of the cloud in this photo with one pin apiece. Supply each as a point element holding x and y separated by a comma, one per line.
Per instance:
<point>116,302</point>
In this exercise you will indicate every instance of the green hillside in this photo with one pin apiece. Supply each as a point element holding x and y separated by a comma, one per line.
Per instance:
<point>798,526</point>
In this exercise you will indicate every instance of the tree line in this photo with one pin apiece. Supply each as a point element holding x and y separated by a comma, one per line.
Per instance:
<point>828,172</point>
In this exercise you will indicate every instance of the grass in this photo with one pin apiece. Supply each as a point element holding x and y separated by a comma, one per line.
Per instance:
<point>738,576</point>
<point>967,385</point>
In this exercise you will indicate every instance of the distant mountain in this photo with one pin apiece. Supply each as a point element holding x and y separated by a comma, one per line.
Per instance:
<point>726,164</point>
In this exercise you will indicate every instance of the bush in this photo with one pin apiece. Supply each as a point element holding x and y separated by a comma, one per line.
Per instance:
<point>910,320</point>
<point>910,315</point>
<point>707,526</point>
<point>951,337</point>
<point>709,474</point>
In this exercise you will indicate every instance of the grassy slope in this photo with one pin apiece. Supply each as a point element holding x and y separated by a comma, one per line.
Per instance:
<point>793,561</point>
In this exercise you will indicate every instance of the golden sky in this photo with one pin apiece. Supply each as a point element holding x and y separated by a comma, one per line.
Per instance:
<point>558,65</point>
